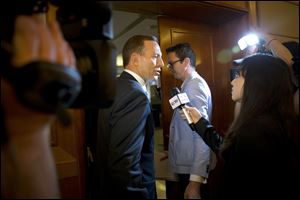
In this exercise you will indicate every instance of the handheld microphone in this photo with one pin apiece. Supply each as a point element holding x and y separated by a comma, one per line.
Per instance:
<point>178,100</point>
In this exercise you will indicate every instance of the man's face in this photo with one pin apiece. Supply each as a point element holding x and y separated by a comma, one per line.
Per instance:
<point>150,62</point>
<point>175,65</point>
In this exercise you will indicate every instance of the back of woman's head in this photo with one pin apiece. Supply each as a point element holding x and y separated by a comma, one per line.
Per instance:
<point>268,86</point>
<point>267,90</point>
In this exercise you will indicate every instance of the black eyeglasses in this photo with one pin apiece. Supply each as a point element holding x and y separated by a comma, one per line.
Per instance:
<point>170,65</point>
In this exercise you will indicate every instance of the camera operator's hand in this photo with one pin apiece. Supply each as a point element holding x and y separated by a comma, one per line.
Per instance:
<point>32,171</point>
<point>34,40</point>
<point>275,46</point>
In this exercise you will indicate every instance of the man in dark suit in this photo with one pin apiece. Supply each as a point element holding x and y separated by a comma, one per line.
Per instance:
<point>125,145</point>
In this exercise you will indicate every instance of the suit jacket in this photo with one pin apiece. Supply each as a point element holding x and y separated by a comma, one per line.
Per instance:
<point>125,150</point>
<point>261,163</point>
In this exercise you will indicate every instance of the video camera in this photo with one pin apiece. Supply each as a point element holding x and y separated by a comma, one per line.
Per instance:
<point>86,26</point>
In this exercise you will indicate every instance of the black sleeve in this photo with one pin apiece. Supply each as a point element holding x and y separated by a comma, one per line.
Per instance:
<point>209,134</point>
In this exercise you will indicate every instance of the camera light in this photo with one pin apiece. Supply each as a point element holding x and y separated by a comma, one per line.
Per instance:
<point>242,44</point>
<point>248,40</point>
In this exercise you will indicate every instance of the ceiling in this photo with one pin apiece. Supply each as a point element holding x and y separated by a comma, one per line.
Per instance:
<point>189,10</point>
<point>140,17</point>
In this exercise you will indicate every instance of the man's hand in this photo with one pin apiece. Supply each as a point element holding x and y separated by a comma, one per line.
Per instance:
<point>33,40</point>
<point>192,191</point>
<point>28,151</point>
<point>164,156</point>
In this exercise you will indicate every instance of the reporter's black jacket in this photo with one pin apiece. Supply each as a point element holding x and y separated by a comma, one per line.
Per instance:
<point>209,134</point>
<point>261,162</point>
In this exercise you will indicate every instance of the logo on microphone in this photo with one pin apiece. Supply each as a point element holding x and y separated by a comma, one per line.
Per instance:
<point>179,100</point>
<point>174,102</point>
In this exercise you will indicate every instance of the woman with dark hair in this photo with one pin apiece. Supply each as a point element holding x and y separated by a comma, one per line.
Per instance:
<point>288,51</point>
<point>260,150</point>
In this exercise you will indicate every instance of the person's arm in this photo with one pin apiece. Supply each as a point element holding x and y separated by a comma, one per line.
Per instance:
<point>275,46</point>
<point>27,167</point>
<point>27,155</point>
<point>210,136</point>
<point>282,52</point>
<point>279,50</point>
<point>205,129</point>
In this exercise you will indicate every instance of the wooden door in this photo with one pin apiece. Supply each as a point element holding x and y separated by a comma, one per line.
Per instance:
<point>213,46</point>
<point>201,37</point>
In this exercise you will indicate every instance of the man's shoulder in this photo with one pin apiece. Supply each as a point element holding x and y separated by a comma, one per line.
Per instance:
<point>197,83</point>
<point>129,90</point>
<point>199,79</point>
<point>124,82</point>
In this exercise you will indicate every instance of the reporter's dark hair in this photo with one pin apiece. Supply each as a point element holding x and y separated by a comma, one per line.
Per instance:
<point>267,89</point>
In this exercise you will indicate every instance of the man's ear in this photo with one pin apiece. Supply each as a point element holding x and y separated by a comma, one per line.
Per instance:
<point>134,59</point>
<point>187,61</point>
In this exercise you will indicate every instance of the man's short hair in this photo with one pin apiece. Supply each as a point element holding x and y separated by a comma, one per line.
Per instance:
<point>182,51</point>
<point>135,44</point>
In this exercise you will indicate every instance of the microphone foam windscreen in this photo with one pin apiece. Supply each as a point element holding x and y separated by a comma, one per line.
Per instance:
<point>174,91</point>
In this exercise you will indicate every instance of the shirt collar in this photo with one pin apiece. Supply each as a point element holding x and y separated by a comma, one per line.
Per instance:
<point>137,77</point>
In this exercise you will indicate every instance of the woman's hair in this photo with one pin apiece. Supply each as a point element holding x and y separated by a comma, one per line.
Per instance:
<point>267,89</point>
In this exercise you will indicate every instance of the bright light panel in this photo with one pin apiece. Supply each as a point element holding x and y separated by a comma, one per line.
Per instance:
<point>242,43</point>
<point>248,40</point>
<point>251,39</point>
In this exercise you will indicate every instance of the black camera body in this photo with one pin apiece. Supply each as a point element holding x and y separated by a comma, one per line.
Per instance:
<point>86,26</point>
